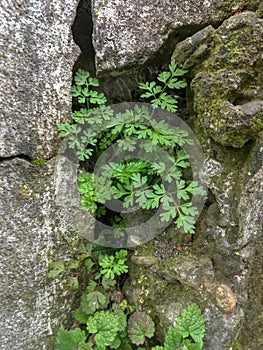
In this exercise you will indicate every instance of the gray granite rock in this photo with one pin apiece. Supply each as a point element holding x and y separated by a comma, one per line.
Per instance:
<point>36,72</point>
<point>34,232</point>
<point>128,33</point>
<point>40,220</point>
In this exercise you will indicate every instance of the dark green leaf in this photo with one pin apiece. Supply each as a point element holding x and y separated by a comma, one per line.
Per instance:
<point>140,325</point>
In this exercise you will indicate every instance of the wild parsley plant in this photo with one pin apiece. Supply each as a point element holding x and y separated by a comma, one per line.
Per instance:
<point>135,181</point>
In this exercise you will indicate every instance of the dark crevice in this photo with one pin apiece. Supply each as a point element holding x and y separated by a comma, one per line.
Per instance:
<point>17,156</point>
<point>82,29</point>
<point>122,87</point>
<point>25,157</point>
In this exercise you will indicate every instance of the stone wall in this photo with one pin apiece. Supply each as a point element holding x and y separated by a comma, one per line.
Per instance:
<point>221,46</point>
<point>37,58</point>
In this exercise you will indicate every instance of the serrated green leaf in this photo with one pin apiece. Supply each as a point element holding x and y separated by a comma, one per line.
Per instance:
<point>76,91</point>
<point>164,76</point>
<point>73,264</point>
<point>56,268</point>
<point>93,81</point>
<point>121,317</point>
<point>54,273</point>
<point>191,323</point>
<point>56,265</point>
<point>140,325</point>
<point>70,340</point>
<point>173,339</point>
<point>108,284</point>
<point>105,327</point>
<point>192,346</point>
<point>90,302</point>
<point>81,77</point>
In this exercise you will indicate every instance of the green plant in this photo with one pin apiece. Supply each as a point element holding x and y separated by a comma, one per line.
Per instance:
<point>39,161</point>
<point>188,333</point>
<point>140,326</point>
<point>104,319</point>
<point>133,181</point>
<point>114,265</point>
<point>157,93</point>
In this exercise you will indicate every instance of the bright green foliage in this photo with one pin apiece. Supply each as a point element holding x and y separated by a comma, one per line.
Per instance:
<point>93,301</point>
<point>72,340</point>
<point>188,333</point>
<point>106,321</point>
<point>114,265</point>
<point>140,326</point>
<point>134,181</point>
<point>157,93</point>
<point>191,323</point>
<point>105,325</point>
<point>173,339</point>
<point>149,185</point>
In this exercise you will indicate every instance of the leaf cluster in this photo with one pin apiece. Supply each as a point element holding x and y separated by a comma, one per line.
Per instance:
<point>188,333</point>
<point>148,185</point>
<point>158,95</point>
<point>110,330</point>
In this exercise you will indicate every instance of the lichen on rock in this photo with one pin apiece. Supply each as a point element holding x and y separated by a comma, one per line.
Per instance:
<point>227,85</point>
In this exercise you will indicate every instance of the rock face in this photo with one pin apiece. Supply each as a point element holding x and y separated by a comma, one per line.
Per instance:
<point>227,86</point>
<point>38,54</point>
<point>127,34</point>
<point>220,268</point>
<point>36,71</point>
<point>216,270</point>
<point>33,234</point>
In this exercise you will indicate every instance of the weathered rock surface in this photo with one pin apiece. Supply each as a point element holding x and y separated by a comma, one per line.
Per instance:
<point>36,207</point>
<point>36,72</point>
<point>227,64</point>
<point>216,270</point>
<point>34,232</point>
<point>127,34</point>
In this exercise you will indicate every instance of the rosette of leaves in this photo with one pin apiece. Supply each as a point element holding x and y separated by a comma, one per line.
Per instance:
<point>140,326</point>
<point>105,327</point>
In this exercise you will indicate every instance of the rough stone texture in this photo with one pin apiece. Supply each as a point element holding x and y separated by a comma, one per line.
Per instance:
<point>216,270</point>
<point>31,236</point>
<point>34,232</point>
<point>128,33</point>
<point>36,70</point>
<point>38,213</point>
<point>227,86</point>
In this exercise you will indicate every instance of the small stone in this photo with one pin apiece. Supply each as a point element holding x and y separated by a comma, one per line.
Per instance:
<point>225,298</point>
<point>144,260</point>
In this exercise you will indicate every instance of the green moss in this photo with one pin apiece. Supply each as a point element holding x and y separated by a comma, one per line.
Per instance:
<point>39,161</point>
<point>237,346</point>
